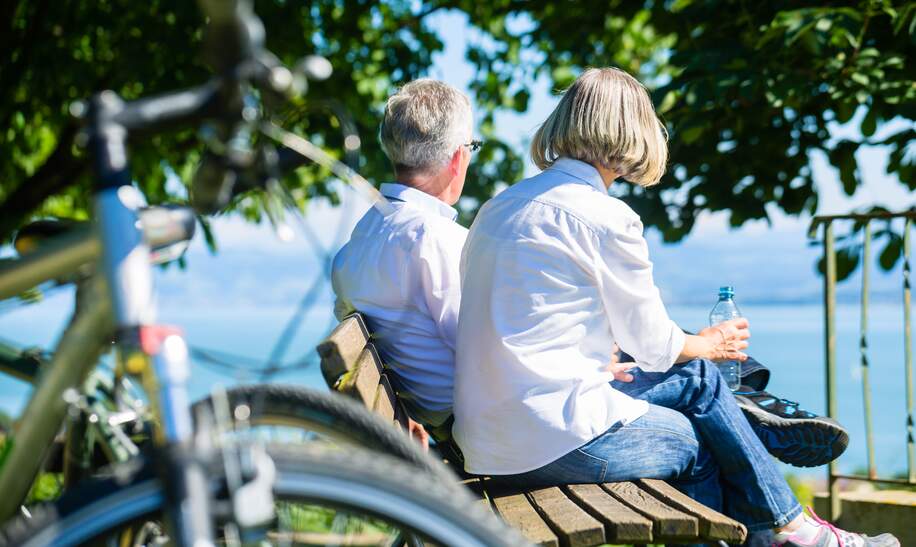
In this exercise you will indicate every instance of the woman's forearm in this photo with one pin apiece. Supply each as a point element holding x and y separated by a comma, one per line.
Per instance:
<point>695,347</point>
<point>718,343</point>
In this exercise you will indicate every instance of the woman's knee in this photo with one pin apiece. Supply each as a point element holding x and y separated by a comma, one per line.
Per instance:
<point>703,377</point>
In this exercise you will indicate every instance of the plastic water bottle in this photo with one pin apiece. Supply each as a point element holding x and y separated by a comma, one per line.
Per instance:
<point>724,310</point>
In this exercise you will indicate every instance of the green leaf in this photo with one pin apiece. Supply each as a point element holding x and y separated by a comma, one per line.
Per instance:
<point>520,100</point>
<point>892,252</point>
<point>859,78</point>
<point>842,156</point>
<point>208,234</point>
<point>869,123</point>
<point>847,260</point>
<point>691,134</point>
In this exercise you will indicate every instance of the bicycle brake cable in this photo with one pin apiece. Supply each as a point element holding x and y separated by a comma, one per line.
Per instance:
<point>308,150</point>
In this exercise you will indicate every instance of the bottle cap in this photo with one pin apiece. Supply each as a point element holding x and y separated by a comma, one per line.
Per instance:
<point>727,291</point>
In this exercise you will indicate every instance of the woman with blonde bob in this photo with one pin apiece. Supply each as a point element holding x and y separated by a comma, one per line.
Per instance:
<point>554,273</point>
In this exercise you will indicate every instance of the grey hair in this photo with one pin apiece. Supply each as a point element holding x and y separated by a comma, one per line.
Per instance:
<point>605,118</point>
<point>424,123</point>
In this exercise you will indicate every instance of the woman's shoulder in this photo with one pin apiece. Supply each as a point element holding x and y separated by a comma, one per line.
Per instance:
<point>580,202</point>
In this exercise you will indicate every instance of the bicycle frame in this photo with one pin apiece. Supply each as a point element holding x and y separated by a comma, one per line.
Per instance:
<point>117,305</point>
<point>76,354</point>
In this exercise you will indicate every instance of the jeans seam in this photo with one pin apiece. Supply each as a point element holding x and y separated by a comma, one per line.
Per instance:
<point>783,519</point>
<point>693,440</point>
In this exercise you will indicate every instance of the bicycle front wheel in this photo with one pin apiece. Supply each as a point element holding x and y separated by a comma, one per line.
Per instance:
<point>281,413</point>
<point>322,497</point>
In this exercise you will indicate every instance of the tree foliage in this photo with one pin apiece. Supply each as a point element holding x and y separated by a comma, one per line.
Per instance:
<point>748,90</point>
<point>58,52</point>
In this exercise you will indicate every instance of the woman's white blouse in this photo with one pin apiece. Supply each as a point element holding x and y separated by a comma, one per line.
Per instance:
<point>553,273</point>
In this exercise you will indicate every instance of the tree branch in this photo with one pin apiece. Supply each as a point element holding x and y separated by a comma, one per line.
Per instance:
<point>55,174</point>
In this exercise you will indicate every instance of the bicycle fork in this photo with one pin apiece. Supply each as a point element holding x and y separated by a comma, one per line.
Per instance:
<point>158,355</point>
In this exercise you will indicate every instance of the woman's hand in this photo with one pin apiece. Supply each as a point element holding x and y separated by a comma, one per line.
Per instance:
<point>726,340</point>
<point>620,370</point>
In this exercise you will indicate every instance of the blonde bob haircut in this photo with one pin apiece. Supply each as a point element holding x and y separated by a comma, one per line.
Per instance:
<point>605,118</point>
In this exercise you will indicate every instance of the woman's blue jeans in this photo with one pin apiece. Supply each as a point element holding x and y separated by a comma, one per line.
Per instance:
<point>694,436</point>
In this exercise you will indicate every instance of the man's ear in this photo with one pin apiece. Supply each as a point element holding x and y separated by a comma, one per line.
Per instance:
<point>454,165</point>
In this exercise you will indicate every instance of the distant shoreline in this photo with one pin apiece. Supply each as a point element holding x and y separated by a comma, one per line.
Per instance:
<point>842,297</point>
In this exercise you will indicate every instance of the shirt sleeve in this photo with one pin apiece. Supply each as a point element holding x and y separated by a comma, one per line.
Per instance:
<point>638,319</point>
<point>439,258</point>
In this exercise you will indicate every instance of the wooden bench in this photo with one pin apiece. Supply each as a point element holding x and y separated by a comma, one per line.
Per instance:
<point>640,512</point>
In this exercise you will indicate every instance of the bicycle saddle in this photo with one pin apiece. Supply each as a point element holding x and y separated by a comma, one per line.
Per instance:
<point>34,234</point>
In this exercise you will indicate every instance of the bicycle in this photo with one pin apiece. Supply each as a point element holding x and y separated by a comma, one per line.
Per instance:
<point>185,478</point>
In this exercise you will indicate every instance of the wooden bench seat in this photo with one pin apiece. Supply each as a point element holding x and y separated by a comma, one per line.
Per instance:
<point>637,512</point>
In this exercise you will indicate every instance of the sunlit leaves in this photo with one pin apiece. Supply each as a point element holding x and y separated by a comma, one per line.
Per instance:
<point>747,89</point>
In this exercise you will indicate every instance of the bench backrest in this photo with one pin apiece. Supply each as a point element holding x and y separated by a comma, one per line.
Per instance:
<point>351,365</point>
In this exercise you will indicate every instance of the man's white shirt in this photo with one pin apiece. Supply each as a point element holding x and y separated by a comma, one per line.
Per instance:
<point>554,271</point>
<point>401,271</point>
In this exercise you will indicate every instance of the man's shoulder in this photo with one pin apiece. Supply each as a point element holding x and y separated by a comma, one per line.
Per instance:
<point>406,227</point>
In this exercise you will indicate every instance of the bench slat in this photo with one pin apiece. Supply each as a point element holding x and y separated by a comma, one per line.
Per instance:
<point>622,524</point>
<point>669,523</point>
<point>400,412</point>
<point>341,349</point>
<point>713,525</point>
<point>572,524</point>
<point>384,399</point>
<point>514,508</point>
<point>362,382</point>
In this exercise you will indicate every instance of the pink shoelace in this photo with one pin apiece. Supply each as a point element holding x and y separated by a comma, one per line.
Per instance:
<point>836,531</point>
<point>833,529</point>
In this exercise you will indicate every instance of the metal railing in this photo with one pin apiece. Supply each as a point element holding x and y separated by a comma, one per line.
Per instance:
<point>830,282</point>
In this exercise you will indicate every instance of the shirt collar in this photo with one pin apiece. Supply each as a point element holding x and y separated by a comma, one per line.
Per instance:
<point>580,170</point>
<point>419,199</point>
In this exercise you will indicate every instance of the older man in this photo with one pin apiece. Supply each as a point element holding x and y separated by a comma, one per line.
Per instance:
<point>401,270</point>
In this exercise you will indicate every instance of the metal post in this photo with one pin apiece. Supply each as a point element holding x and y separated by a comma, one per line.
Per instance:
<point>908,353</point>
<point>863,353</point>
<point>830,357</point>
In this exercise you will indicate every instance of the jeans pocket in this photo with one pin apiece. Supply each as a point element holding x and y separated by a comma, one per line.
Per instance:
<point>591,465</point>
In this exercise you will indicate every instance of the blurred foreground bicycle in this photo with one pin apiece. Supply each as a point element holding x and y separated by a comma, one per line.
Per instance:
<point>196,485</point>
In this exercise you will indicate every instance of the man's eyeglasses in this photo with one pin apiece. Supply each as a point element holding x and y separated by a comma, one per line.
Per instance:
<point>474,145</point>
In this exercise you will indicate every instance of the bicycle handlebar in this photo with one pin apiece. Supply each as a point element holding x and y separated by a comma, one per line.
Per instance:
<point>153,114</point>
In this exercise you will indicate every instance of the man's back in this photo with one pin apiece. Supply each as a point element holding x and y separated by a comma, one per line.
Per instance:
<point>401,272</point>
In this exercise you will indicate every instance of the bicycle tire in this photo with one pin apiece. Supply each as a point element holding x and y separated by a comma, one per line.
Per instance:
<point>376,484</point>
<point>332,415</point>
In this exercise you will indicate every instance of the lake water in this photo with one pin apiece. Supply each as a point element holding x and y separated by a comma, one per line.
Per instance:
<point>787,338</point>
